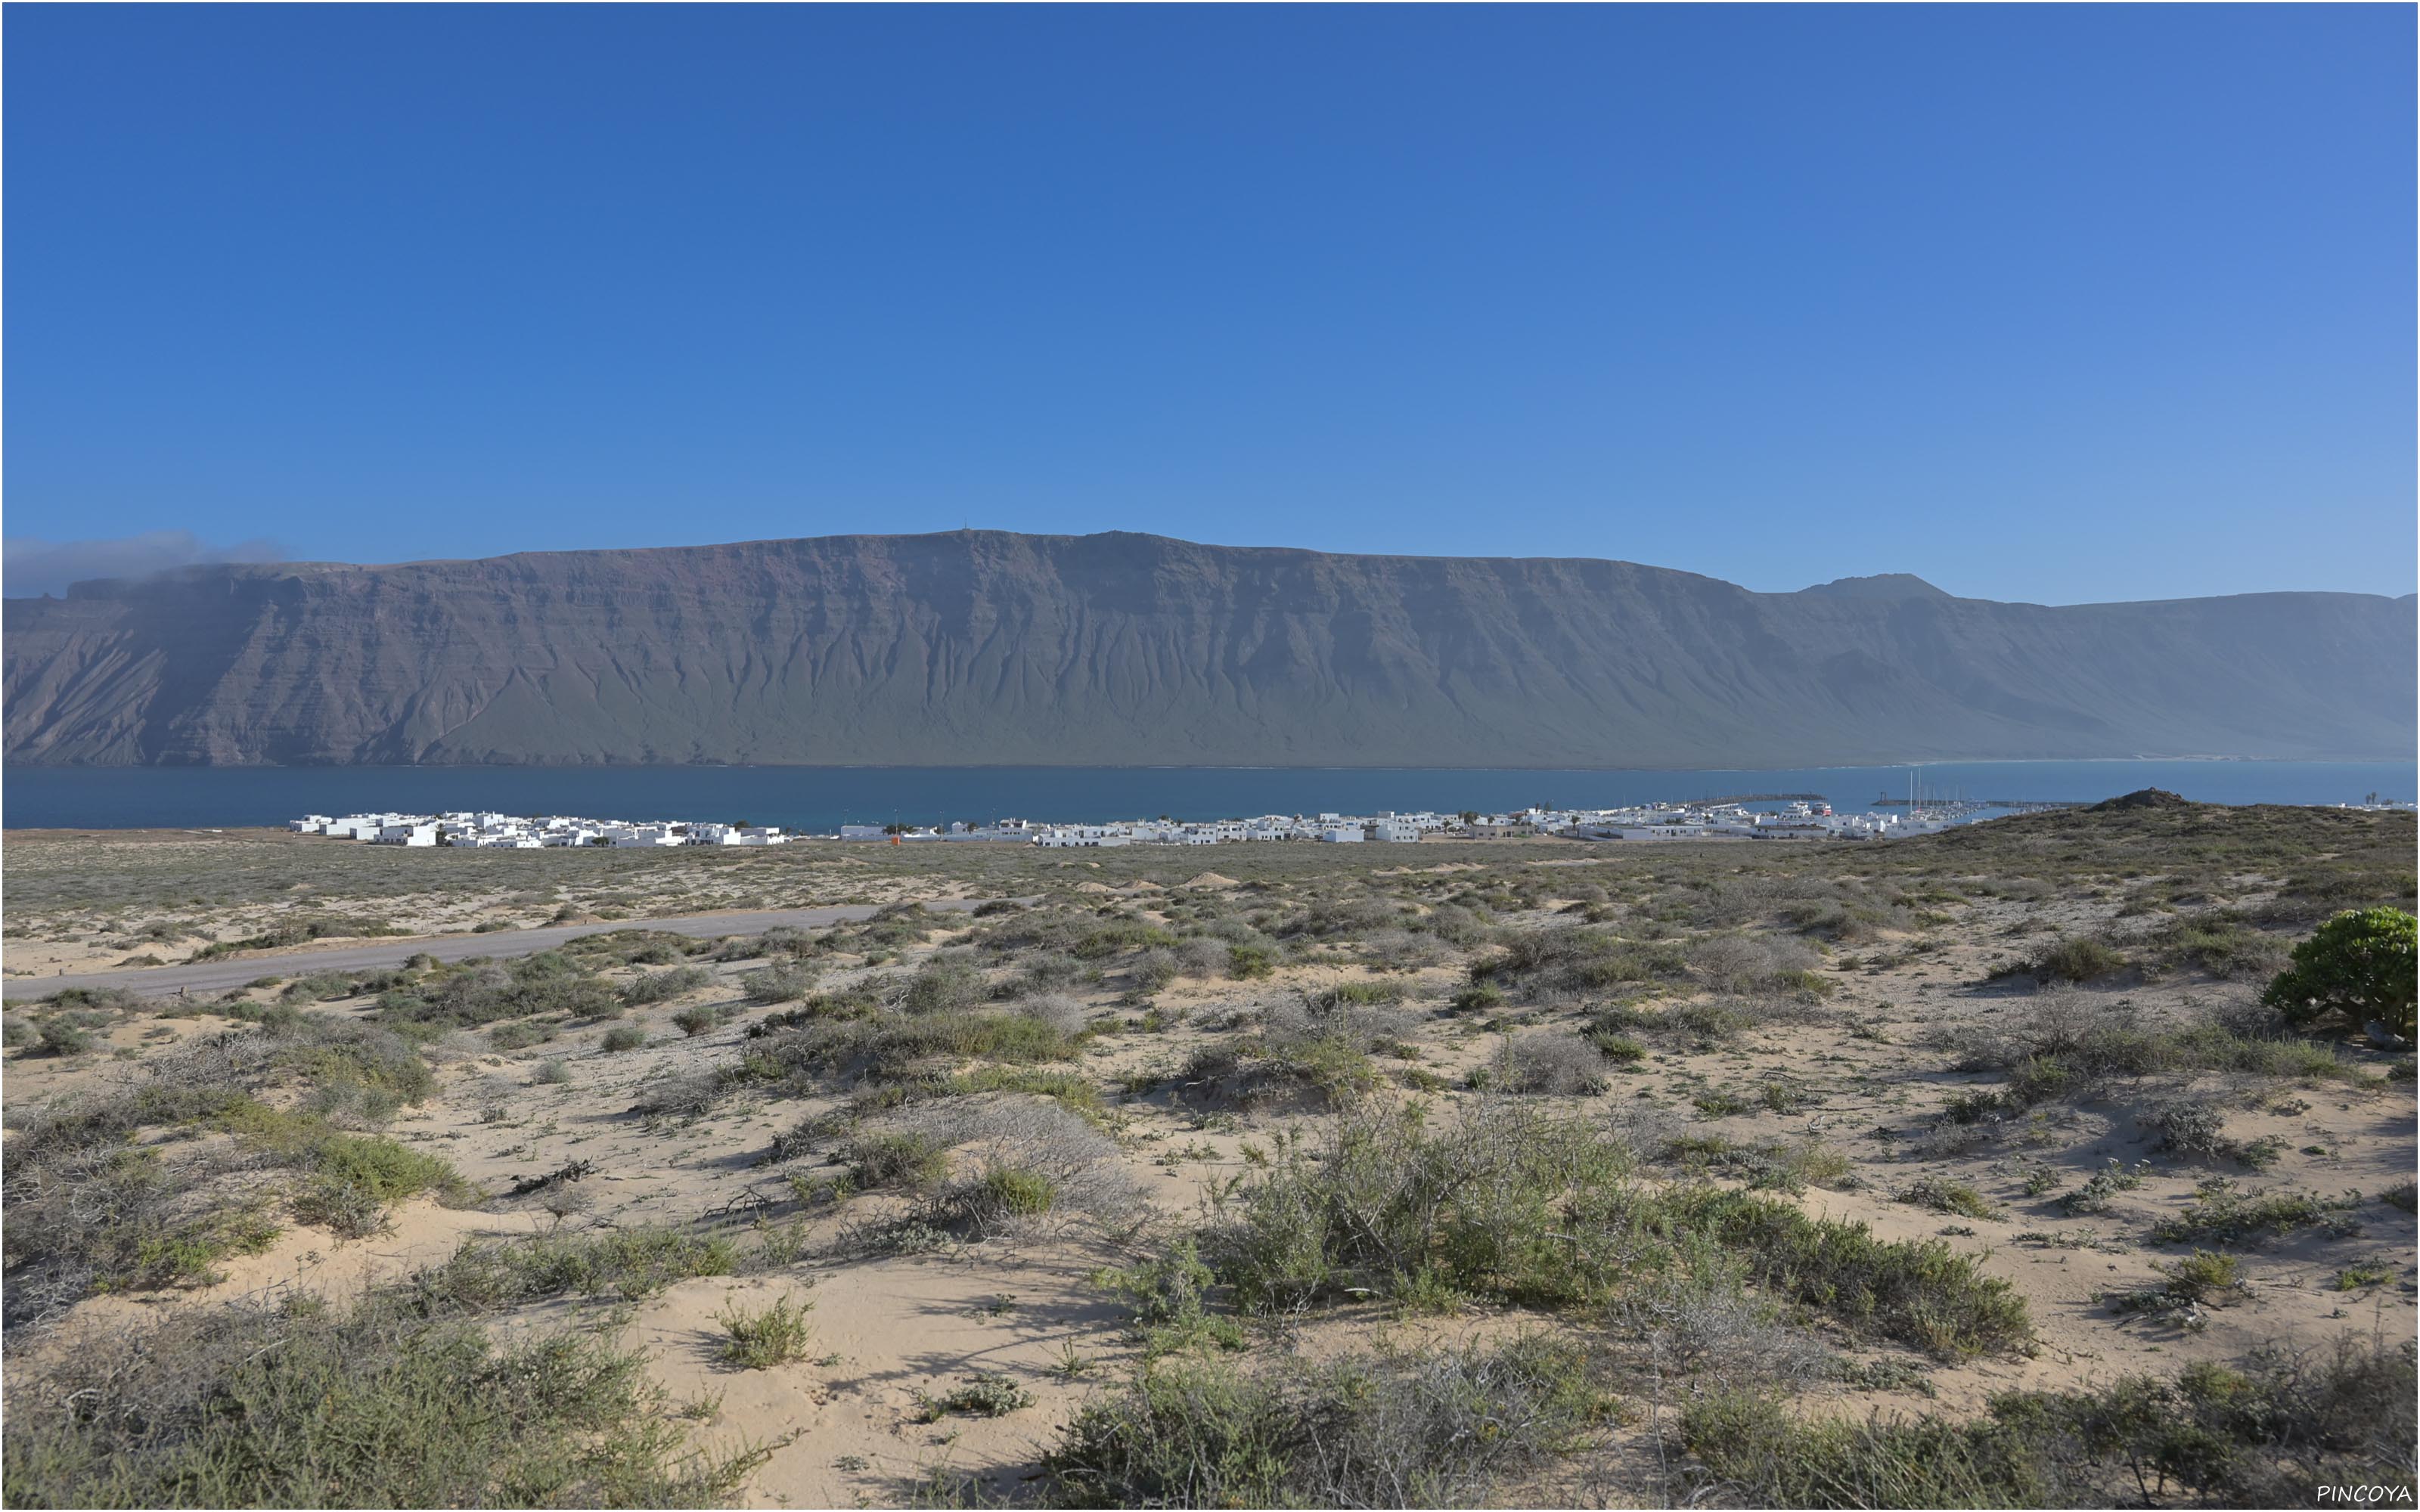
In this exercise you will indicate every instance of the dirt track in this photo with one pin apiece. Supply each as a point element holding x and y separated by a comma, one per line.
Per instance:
<point>218,975</point>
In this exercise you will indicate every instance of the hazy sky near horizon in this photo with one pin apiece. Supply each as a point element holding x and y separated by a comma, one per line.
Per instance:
<point>2048,303</point>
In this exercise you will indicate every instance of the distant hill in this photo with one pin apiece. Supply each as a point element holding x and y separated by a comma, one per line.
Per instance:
<point>1881,585</point>
<point>985,648</point>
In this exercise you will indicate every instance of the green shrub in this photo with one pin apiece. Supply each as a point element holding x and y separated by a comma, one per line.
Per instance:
<point>294,932</point>
<point>1923,1294</point>
<point>2198,1279</point>
<point>1120,937</point>
<point>477,993</point>
<point>1430,1428</point>
<point>1951,1197</point>
<point>625,1037</point>
<point>1769,1456</point>
<point>1012,1191</point>
<point>1477,1000</point>
<point>769,1337</point>
<point>350,1179</point>
<point>2261,1436</point>
<point>1356,994</point>
<point>986,1393</point>
<point>2221,1214</point>
<point>2359,967</point>
<point>2071,958</point>
<point>1579,959</point>
<point>1246,962</point>
<point>913,1160</point>
<point>900,1046</point>
<point>62,1035</point>
<point>371,1407</point>
<point>520,1035</point>
<point>1618,1048</point>
<point>2221,942</point>
<point>628,1263</point>
<point>1525,1207</point>
<point>2099,1193</point>
<point>661,986</point>
<point>786,982</point>
<point>1169,1298</point>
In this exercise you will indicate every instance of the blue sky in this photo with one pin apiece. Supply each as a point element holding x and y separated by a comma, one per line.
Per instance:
<point>2054,303</point>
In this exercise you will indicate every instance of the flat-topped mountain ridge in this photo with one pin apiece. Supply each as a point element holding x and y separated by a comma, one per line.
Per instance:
<point>979,647</point>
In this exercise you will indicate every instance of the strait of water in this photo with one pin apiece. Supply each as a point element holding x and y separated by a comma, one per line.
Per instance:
<point>822,798</point>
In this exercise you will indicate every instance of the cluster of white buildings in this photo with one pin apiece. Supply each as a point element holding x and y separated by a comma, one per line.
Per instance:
<point>1334,828</point>
<point>516,832</point>
<point>1646,822</point>
<point>1729,820</point>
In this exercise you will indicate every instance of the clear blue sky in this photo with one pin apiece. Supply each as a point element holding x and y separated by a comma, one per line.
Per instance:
<point>2054,303</point>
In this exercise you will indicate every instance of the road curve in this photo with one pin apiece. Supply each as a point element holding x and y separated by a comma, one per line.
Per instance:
<point>206,977</point>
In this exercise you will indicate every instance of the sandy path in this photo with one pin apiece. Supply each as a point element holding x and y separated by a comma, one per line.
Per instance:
<point>219,976</point>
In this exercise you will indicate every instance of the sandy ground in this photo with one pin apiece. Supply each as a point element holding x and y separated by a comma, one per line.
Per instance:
<point>852,1426</point>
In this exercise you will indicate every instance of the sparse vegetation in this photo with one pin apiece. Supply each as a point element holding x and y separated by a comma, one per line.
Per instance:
<point>1405,1165</point>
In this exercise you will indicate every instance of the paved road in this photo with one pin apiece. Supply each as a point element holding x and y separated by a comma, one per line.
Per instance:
<point>211,976</point>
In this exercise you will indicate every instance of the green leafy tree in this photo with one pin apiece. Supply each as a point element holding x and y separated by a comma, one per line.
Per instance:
<point>2360,965</point>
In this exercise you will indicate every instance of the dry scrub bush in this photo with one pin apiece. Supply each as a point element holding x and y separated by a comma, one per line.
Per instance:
<point>399,1400</point>
<point>1005,1164</point>
<point>782,982</point>
<point>1570,959</point>
<point>1204,958</point>
<point>1697,1322</point>
<point>1554,1063</point>
<point>663,986</point>
<point>1062,1015</point>
<point>1405,950</point>
<point>1524,1205</point>
<point>87,1209</point>
<point>478,993</point>
<point>1751,964</point>
<point>1430,1428</point>
<point>2261,1435</point>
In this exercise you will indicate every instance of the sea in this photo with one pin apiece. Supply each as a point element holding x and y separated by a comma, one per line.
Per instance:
<point>822,798</point>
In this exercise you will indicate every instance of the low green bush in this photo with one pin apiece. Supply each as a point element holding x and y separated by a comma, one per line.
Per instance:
<point>627,1263</point>
<point>2261,1435</point>
<point>1951,1197</point>
<point>2221,1213</point>
<point>662,986</point>
<point>1428,1427</point>
<point>2071,958</point>
<point>1525,1207</point>
<point>766,1336</point>
<point>374,1406</point>
<point>476,993</point>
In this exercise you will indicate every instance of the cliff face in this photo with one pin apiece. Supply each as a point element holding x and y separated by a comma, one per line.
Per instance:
<point>987,648</point>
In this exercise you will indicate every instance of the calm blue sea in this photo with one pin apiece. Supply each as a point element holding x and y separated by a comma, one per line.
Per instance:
<point>823,799</point>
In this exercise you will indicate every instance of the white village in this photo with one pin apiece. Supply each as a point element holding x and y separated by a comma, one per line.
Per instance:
<point>1798,820</point>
